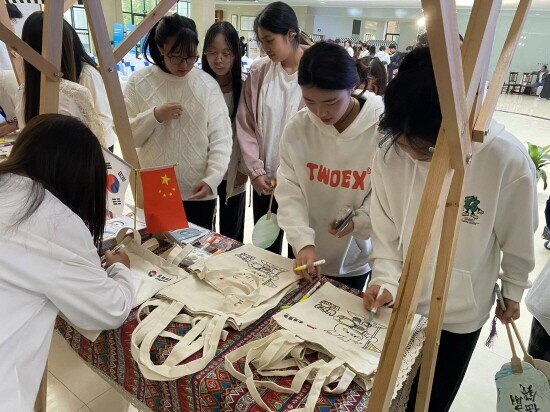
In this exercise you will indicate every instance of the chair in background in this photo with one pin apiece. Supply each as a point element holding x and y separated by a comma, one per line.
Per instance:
<point>521,87</point>
<point>512,80</point>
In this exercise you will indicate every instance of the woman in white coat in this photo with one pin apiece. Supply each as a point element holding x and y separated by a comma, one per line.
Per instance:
<point>52,215</point>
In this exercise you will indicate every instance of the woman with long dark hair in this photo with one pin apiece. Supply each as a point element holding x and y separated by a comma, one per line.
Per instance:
<point>499,217</point>
<point>52,215</point>
<point>178,115</point>
<point>373,76</point>
<point>74,99</point>
<point>87,75</point>
<point>221,59</point>
<point>326,161</point>
<point>270,97</point>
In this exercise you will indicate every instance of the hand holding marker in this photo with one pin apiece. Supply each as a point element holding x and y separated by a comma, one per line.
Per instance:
<point>315,264</point>
<point>375,308</point>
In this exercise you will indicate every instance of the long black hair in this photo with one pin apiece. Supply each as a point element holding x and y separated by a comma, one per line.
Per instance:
<point>81,57</point>
<point>373,74</point>
<point>182,29</point>
<point>327,66</point>
<point>32,35</point>
<point>60,154</point>
<point>233,42</point>
<point>278,18</point>
<point>412,104</point>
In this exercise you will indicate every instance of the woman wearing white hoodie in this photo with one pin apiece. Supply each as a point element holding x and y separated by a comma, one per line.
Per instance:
<point>326,162</point>
<point>498,221</point>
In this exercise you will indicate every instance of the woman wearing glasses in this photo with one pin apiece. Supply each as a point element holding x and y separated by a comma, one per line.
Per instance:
<point>178,116</point>
<point>221,59</point>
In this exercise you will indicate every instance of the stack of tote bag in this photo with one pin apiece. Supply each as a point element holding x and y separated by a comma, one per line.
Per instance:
<point>156,272</point>
<point>233,289</point>
<point>333,323</point>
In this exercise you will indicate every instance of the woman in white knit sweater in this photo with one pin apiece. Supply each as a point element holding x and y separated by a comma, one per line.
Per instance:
<point>178,115</point>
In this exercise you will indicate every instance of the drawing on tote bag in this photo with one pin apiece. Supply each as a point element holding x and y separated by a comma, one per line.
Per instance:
<point>268,272</point>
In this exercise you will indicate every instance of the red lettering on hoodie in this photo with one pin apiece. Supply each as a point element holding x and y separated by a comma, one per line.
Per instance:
<point>336,178</point>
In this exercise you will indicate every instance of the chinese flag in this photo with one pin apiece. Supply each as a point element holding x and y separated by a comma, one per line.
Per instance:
<point>162,200</point>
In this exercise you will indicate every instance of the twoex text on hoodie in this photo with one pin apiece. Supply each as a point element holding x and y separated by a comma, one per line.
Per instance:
<point>499,217</point>
<point>321,170</point>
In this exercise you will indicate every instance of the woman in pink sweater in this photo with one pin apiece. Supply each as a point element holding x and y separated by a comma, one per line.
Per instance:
<point>270,96</point>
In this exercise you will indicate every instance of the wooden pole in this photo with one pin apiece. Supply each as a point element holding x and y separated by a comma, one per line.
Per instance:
<point>52,39</point>
<point>490,103</point>
<point>16,61</point>
<point>143,28</point>
<point>480,28</point>
<point>68,4</point>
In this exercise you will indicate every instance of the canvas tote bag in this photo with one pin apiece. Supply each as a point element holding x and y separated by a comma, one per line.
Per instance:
<point>332,322</point>
<point>209,309</point>
<point>156,272</point>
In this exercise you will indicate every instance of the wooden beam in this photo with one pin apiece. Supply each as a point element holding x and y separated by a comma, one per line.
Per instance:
<point>442,28</point>
<point>52,40</point>
<point>414,268</point>
<point>68,4</point>
<point>16,61</point>
<point>479,36</point>
<point>142,28</point>
<point>28,53</point>
<point>501,70</point>
<point>107,68</point>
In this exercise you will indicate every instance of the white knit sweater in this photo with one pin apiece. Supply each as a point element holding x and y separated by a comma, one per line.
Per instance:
<point>200,140</point>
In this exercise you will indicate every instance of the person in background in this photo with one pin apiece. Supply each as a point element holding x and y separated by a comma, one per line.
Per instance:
<point>542,74</point>
<point>271,96</point>
<point>221,59</point>
<point>13,13</point>
<point>8,90</point>
<point>74,99</point>
<point>395,59</point>
<point>349,49</point>
<point>52,215</point>
<point>243,46</point>
<point>498,220</point>
<point>372,51</point>
<point>178,115</point>
<point>372,76</point>
<point>364,51</point>
<point>87,75</point>
<point>383,56</point>
<point>316,145</point>
<point>409,49</point>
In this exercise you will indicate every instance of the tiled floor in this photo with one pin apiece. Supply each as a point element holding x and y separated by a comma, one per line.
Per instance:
<point>72,386</point>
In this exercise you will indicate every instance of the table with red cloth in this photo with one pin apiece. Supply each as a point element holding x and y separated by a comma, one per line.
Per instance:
<point>213,389</point>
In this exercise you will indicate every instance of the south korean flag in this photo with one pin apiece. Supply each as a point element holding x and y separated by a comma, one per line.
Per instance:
<point>118,178</point>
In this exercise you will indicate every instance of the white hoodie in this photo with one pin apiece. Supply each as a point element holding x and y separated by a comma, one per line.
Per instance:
<point>499,217</point>
<point>321,171</point>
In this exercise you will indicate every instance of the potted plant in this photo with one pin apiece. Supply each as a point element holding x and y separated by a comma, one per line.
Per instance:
<point>540,155</point>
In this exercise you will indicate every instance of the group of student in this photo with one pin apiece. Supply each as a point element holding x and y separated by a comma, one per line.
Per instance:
<point>298,119</point>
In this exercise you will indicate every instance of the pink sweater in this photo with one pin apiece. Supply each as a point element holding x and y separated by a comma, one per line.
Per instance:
<point>248,132</point>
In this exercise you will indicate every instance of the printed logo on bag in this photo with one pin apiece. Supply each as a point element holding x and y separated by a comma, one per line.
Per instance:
<point>354,179</point>
<point>471,211</point>
<point>155,275</point>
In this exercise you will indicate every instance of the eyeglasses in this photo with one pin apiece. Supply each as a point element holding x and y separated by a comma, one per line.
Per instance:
<point>226,55</point>
<point>177,60</point>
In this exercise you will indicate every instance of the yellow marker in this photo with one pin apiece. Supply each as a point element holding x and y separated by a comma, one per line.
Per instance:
<point>315,264</point>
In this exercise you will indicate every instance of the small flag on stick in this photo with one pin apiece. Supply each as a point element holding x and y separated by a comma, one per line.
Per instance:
<point>162,202</point>
<point>118,179</point>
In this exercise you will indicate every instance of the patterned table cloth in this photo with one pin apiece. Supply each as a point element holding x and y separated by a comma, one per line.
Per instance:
<point>214,389</point>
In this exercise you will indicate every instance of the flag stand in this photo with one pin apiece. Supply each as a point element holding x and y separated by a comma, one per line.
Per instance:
<point>136,171</point>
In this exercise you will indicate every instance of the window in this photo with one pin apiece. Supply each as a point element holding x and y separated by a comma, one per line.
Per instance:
<point>134,11</point>
<point>76,16</point>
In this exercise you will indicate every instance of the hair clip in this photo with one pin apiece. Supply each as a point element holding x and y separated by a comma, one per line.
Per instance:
<point>431,149</point>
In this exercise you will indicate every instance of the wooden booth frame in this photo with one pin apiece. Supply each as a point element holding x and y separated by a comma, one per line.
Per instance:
<point>460,76</point>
